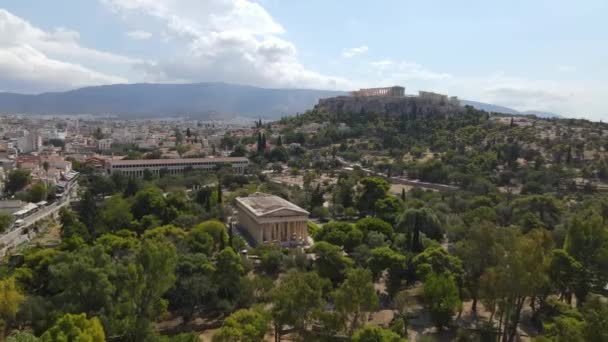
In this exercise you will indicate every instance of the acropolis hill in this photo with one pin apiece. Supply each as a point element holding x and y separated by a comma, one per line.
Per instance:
<point>391,102</point>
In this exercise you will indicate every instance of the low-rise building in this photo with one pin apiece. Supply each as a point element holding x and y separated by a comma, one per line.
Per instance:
<point>272,219</point>
<point>137,168</point>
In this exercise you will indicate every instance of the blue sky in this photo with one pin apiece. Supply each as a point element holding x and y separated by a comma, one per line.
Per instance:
<point>541,55</point>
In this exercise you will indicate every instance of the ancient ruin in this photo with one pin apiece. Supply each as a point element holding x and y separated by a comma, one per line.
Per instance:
<point>391,102</point>
<point>395,91</point>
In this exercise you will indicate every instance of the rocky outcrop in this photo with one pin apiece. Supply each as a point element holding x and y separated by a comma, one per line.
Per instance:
<point>424,105</point>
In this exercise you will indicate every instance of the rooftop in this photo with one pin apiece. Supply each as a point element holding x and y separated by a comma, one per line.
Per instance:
<point>261,204</point>
<point>178,161</point>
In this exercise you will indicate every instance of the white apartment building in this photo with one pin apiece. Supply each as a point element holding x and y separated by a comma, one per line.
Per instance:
<point>29,142</point>
<point>136,168</point>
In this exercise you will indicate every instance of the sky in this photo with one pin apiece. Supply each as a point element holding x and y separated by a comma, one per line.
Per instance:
<point>529,55</point>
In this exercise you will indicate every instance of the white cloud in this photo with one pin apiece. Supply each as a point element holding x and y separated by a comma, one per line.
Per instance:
<point>139,35</point>
<point>224,40</point>
<point>352,52</point>
<point>27,70</point>
<point>33,60</point>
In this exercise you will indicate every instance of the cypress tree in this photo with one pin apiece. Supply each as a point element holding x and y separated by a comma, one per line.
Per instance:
<point>219,191</point>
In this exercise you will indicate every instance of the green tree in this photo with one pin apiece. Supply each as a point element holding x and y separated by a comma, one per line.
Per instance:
<point>478,251</point>
<point>547,208</point>
<point>216,230</point>
<point>355,298</point>
<point>595,313</point>
<point>179,136</point>
<point>344,191</point>
<point>116,213</point>
<point>22,336</point>
<point>37,192</point>
<point>520,274</point>
<point>330,262</point>
<point>564,271</point>
<point>371,189</point>
<point>195,284</point>
<point>75,328</point>
<point>229,270</point>
<point>297,300</point>
<point>415,221</point>
<point>17,180</point>
<point>587,242</point>
<point>245,325</point>
<point>11,298</point>
<point>148,201</point>
<point>441,296</point>
<point>157,261</point>
<point>383,258</point>
<point>6,221</point>
<point>437,260</point>
<point>71,226</point>
<point>389,208</point>
<point>181,149</point>
<point>88,212</point>
<point>376,334</point>
<point>370,224</point>
<point>565,329</point>
<point>342,234</point>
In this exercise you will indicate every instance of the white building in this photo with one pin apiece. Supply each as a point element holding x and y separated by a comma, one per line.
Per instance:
<point>29,142</point>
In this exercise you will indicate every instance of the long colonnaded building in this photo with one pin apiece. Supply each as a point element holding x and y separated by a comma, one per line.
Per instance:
<point>272,219</point>
<point>136,168</point>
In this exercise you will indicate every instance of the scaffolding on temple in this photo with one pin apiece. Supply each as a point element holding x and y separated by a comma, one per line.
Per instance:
<point>395,91</point>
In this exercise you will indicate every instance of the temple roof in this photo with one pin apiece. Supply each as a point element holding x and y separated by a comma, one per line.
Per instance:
<point>261,204</point>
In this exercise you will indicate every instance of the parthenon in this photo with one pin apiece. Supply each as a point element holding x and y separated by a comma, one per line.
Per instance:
<point>395,91</point>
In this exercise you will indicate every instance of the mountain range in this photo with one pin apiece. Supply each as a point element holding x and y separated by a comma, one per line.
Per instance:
<point>506,110</point>
<point>196,100</point>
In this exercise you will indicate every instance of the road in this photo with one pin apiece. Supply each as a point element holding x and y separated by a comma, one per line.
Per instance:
<point>22,234</point>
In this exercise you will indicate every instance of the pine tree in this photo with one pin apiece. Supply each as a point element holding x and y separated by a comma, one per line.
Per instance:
<point>403,194</point>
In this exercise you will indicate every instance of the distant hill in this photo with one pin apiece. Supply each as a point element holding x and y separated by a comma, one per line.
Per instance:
<point>199,100</point>
<point>506,110</point>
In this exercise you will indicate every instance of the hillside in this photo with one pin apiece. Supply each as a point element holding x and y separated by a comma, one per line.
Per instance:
<point>200,100</point>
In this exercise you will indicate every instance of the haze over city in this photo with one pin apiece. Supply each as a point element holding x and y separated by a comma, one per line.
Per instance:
<point>527,55</point>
